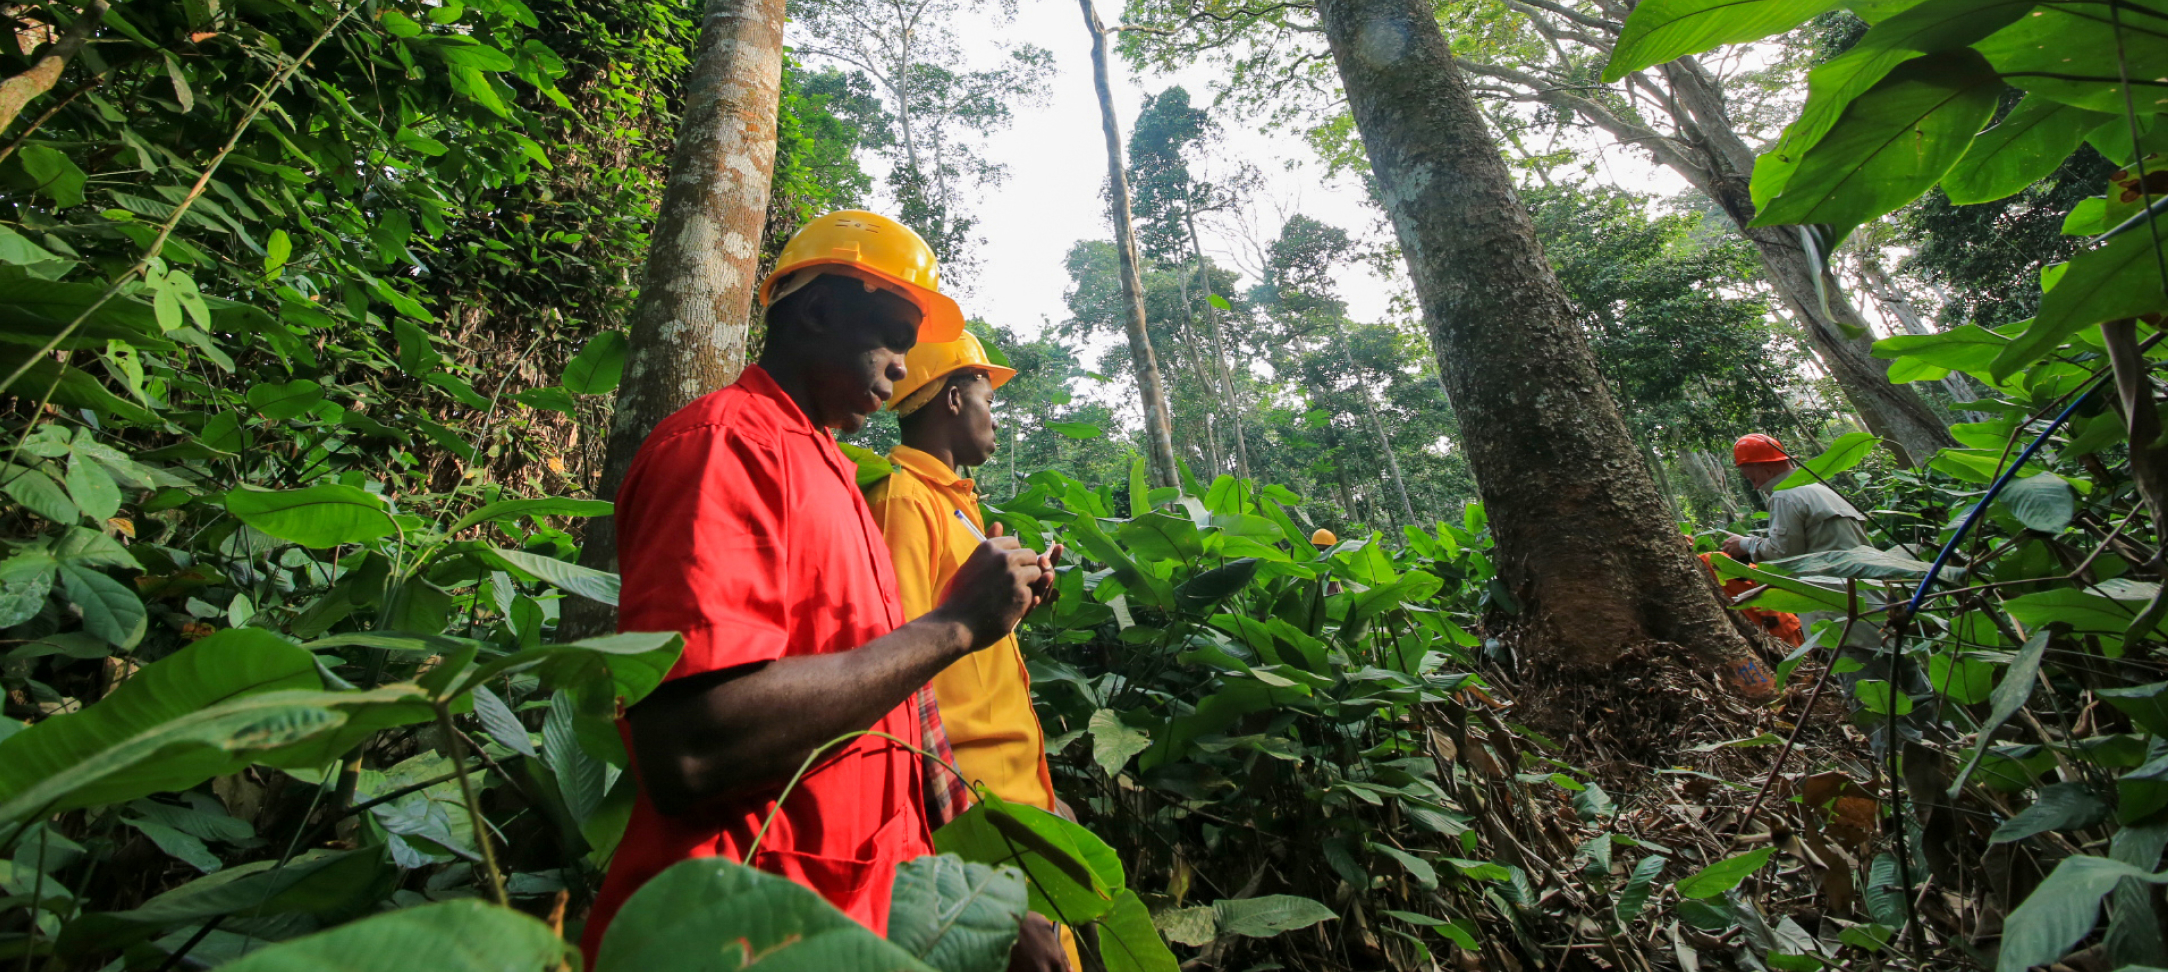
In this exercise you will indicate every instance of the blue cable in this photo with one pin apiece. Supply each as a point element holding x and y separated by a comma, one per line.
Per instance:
<point>1993,490</point>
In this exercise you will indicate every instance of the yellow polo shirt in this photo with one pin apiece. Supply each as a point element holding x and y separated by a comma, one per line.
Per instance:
<point>985,696</point>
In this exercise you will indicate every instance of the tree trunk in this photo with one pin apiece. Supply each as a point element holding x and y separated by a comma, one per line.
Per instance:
<point>1219,345</point>
<point>691,324</point>
<point>1158,426</point>
<point>17,91</point>
<point>1584,541</point>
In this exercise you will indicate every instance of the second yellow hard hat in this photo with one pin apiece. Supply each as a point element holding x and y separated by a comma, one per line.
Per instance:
<point>870,244</point>
<point>933,362</point>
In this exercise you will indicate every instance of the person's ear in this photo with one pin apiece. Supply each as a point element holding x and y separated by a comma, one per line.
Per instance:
<point>952,397</point>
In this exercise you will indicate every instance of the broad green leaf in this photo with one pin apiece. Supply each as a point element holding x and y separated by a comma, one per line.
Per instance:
<point>553,397</point>
<point>594,585</point>
<point>2008,697</point>
<point>598,367</point>
<point>1128,942</point>
<point>1159,535</point>
<point>1635,895</point>
<point>92,489</point>
<point>327,883</point>
<point>1665,30</point>
<point>1424,873</point>
<point>2062,910</point>
<point>545,506</point>
<point>468,53</point>
<point>465,935</point>
<point>1846,451</point>
<point>2086,611</point>
<point>1812,598</point>
<point>1113,743</point>
<point>502,724</point>
<point>1207,589</point>
<point>277,249</point>
<point>2060,806</point>
<point>38,493</point>
<point>2146,705</point>
<point>2024,148</point>
<point>1724,875</point>
<point>1862,562</point>
<point>1076,430</point>
<point>1921,28</point>
<point>203,711</point>
<point>1269,915</point>
<point>25,580</point>
<point>2042,502</point>
<point>1188,926</point>
<point>1874,696</point>
<point>2070,53</point>
<point>417,355</point>
<point>1965,681</point>
<point>111,610</point>
<point>2121,279</point>
<point>1891,144</point>
<point>1073,875</point>
<point>713,913</point>
<point>955,915</point>
<point>324,515</point>
<point>627,665</point>
<point>285,400</point>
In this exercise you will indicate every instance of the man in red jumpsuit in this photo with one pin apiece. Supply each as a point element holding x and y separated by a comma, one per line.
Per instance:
<point>741,526</point>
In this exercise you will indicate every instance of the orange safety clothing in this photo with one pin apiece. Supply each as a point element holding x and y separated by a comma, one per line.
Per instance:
<point>741,526</point>
<point>1781,625</point>
<point>985,696</point>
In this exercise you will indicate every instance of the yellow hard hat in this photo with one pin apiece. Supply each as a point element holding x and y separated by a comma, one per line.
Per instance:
<point>929,363</point>
<point>872,245</point>
<point>1323,538</point>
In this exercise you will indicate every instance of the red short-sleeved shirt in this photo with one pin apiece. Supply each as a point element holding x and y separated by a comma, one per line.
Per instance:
<point>741,525</point>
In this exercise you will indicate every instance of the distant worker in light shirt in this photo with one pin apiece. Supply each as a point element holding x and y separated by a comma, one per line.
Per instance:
<point>929,514</point>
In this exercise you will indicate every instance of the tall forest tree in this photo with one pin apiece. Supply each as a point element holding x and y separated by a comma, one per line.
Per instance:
<point>1158,426</point>
<point>690,327</point>
<point>1546,54</point>
<point>1585,543</point>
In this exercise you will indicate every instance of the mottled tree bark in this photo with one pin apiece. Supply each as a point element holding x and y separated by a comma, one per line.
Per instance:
<point>1584,541</point>
<point>690,326</point>
<point>17,91</point>
<point>1158,426</point>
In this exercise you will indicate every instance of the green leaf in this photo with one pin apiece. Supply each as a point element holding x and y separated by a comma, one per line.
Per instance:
<point>501,723</point>
<point>1269,915</point>
<point>469,53</point>
<point>417,355</point>
<point>598,367</point>
<point>2119,280</point>
<point>1073,875</point>
<point>92,488</point>
<point>714,913</point>
<point>552,397</point>
<point>1875,696</point>
<point>1113,743</point>
<point>57,177</point>
<point>25,580</point>
<point>2024,148</point>
<point>1847,451</point>
<point>1724,875</point>
<point>592,584</point>
<point>1891,143</point>
<point>284,400</point>
<point>621,666</point>
<point>2008,697</point>
<point>1159,535</point>
<point>2060,806</point>
<point>1862,562</point>
<point>2085,611</point>
<point>198,713</point>
<point>2146,705</point>
<point>110,610</point>
<point>1664,30</point>
<point>954,915</point>
<point>1635,895</point>
<point>324,515</point>
<point>1128,942</point>
<point>1965,681</point>
<point>39,494</point>
<point>277,249</point>
<point>1076,430</point>
<point>465,935</point>
<point>2069,52</point>
<point>1421,870</point>
<point>1207,589</point>
<point>1921,28</point>
<point>190,850</point>
<point>544,506</point>
<point>2062,910</point>
<point>2042,502</point>
<point>1188,926</point>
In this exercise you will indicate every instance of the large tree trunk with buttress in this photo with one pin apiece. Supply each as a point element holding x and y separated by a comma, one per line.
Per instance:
<point>1158,426</point>
<point>1584,541</point>
<point>692,322</point>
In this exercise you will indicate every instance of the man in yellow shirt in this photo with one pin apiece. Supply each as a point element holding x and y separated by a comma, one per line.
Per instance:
<point>930,517</point>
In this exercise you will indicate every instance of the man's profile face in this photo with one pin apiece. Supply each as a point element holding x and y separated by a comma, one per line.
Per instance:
<point>1761,474</point>
<point>860,359</point>
<point>976,419</point>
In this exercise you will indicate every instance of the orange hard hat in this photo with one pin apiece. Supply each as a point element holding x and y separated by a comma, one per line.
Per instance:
<point>1756,447</point>
<point>870,246</point>
<point>931,362</point>
<point>1323,538</point>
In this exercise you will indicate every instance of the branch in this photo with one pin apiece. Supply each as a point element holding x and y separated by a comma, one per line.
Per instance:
<point>1584,20</point>
<point>17,91</point>
<point>1247,13</point>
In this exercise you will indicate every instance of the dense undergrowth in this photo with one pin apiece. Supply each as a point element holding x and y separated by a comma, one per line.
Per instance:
<point>287,538</point>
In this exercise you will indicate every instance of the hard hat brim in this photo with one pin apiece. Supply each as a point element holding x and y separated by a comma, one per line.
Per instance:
<point>940,318</point>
